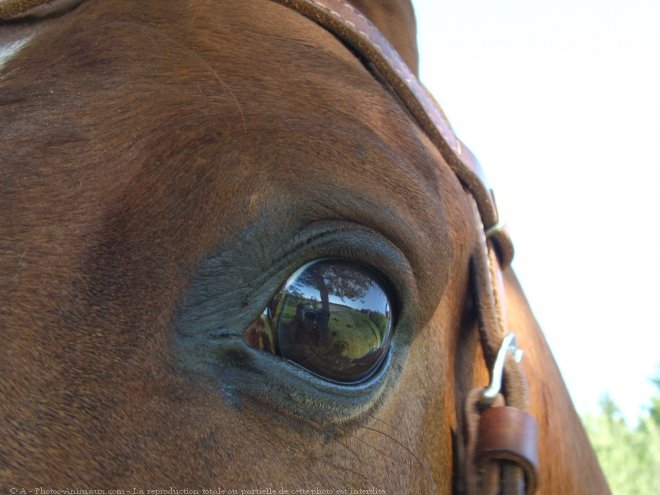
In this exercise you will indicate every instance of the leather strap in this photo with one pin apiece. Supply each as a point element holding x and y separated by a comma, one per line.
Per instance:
<point>18,9</point>
<point>508,434</point>
<point>515,472</point>
<point>11,8</point>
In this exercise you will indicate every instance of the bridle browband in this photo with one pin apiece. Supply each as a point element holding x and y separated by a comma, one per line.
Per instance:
<point>500,453</point>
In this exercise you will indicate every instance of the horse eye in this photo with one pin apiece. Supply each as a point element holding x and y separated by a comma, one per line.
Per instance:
<point>332,317</point>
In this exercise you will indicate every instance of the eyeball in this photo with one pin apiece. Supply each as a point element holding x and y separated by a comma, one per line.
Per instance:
<point>332,317</point>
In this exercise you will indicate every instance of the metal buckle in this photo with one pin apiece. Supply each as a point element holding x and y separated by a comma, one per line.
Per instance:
<point>499,224</point>
<point>508,345</point>
<point>495,229</point>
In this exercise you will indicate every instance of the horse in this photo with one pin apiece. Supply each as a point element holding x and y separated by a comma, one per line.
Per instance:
<point>165,168</point>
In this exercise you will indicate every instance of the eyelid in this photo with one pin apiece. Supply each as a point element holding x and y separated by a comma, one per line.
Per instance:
<point>210,324</point>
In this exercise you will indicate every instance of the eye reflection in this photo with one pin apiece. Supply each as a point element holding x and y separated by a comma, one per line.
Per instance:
<point>332,317</point>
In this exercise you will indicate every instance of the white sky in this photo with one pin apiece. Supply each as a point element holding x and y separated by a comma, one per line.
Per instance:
<point>561,103</point>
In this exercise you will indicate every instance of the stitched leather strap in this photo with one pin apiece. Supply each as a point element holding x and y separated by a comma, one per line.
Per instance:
<point>10,9</point>
<point>508,434</point>
<point>18,9</point>
<point>515,475</point>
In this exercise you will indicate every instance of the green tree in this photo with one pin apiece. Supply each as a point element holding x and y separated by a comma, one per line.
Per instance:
<point>654,410</point>
<point>629,455</point>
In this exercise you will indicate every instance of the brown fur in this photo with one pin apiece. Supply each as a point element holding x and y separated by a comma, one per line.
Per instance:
<point>140,138</point>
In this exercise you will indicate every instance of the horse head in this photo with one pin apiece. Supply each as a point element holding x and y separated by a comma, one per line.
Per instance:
<point>170,170</point>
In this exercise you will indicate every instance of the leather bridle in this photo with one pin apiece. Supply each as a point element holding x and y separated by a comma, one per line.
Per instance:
<point>500,451</point>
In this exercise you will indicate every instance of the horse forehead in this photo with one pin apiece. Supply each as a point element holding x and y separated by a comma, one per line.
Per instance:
<point>290,95</point>
<point>313,132</point>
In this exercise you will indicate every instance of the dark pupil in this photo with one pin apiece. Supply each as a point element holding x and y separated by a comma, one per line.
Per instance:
<point>334,318</point>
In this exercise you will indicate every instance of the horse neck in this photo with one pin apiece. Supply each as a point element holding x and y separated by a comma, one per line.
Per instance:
<point>567,462</point>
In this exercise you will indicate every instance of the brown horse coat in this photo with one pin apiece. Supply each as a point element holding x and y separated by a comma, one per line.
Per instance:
<point>164,166</point>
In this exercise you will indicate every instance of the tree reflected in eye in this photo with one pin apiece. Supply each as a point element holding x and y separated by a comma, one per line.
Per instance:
<point>332,317</point>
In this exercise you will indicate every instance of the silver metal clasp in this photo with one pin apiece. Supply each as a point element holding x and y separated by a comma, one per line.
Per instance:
<point>499,223</point>
<point>508,345</point>
<point>495,229</point>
